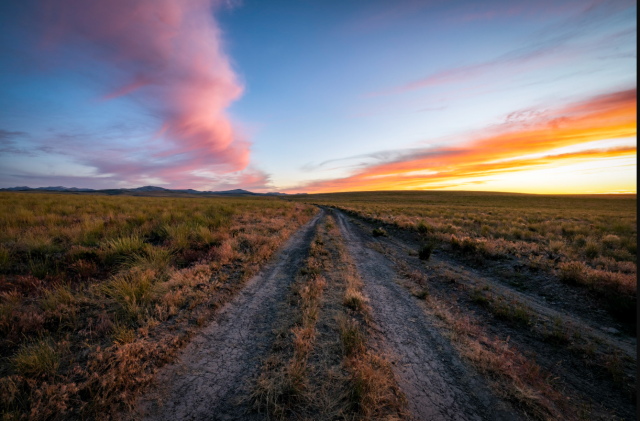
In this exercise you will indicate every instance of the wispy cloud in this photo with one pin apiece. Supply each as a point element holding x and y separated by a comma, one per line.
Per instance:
<point>9,144</point>
<point>504,149</point>
<point>167,54</point>
<point>557,43</point>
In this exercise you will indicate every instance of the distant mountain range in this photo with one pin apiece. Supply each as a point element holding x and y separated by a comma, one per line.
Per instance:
<point>147,189</point>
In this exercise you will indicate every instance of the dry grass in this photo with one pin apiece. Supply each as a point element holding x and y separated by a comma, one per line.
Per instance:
<point>546,232</point>
<point>337,376</point>
<point>89,286</point>
<point>518,378</point>
<point>37,360</point>
<point>372,387</point>
<point>515,373</point>
<point>283,378</point>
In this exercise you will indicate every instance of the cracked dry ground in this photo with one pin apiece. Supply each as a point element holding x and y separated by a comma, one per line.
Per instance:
<point>216,374</point>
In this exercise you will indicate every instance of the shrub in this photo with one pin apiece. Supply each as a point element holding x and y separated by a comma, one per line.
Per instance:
<point>579,240</point>
<point>630,244</point>
<point>58,298</point>
<point>468,245</point>
<point>611,241</point>
<point>424,252</point>
<point>421,293</point>
<point>514,311</point>
<point>516,233</point>
<point>456,244</point>
<point>556,246</point>
<point>379,232</point>
<point>371,387</point>
<point>485,230</point>
<point>84,269</point>
<point>591,249</point>
<point>573,272</point>
<point>179,235</point>
<point>122,334</point>
<point>558,334</point>
<point>478,297</point>
<point>40,268</point>
<point>424,228</point>
<point>154,258</point>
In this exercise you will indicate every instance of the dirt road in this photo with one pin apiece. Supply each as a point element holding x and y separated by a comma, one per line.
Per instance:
<point>215,369</point>
<point>592,369</point>
<point>438,386</point>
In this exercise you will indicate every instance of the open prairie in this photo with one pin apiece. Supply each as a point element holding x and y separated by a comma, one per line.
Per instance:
<point>98,291</point>
<point>354,306</point>
<point>297,210</point>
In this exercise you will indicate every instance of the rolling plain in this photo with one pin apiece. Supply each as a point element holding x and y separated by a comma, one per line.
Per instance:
<point>349,306</point>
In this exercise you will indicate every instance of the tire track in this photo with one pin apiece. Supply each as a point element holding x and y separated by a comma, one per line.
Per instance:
<point>438,386</point>
<point>627,345</point>
<point>213,373</point>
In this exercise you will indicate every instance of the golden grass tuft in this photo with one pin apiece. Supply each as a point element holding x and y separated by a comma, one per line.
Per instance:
<point>354,299</point>
<point>36,360</point>
<point>133,291</point>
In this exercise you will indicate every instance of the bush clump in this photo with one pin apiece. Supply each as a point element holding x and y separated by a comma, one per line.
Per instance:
<point>379,232</point>
<point>573,272</point>
<point>424,228</point>
<point>425,250</point>
<point>591,249</point>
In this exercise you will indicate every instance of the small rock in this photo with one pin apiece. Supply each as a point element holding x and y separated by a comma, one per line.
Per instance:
<point>611,330</point>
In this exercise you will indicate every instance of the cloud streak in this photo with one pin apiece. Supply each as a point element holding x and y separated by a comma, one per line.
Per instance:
<point>166,54</point>
<point>504,149</point>
<point>557,43</point>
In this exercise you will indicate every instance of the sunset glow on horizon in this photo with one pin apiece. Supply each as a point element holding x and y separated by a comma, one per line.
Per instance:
<point>500,159</point>
<point>320,97</point>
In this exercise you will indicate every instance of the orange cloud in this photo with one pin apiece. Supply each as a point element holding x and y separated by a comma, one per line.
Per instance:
<point>502,151</point>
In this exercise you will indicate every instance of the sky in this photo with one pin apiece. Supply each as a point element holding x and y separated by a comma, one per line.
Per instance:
<point>320,95</point>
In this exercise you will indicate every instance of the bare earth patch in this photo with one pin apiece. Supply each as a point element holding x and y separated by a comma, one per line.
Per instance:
<point>438,386</point>
<point>212,374</point>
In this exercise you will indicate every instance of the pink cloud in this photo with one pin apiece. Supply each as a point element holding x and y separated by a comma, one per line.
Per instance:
<point>168,54</point>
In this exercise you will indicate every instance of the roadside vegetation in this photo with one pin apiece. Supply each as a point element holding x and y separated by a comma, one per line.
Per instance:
<point>553,357</point>
<point>96,292</point>
<point>323,365</point>
<point>588,241</point>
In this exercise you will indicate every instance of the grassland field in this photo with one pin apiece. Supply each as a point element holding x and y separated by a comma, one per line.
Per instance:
<point>97,293</point>
<point>587,240</point>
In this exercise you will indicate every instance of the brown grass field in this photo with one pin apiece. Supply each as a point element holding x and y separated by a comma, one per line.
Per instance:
<point>589,241</point>
<point>97,291</point>
<point>382,305</point>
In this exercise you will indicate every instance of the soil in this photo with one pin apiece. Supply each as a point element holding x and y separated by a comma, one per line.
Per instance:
<point>213,373</point>
<point>582,378</point>
<point>438,386</point>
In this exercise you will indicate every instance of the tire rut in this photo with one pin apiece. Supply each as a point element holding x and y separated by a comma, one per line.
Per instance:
<point>628,345</point>
<point>437,384</point>
<point>213,373</point>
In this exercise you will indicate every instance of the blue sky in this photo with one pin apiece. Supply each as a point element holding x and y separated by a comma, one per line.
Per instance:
<point>313,91</point>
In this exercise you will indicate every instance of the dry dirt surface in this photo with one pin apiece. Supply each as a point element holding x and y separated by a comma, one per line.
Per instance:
<point>213,373</point>
<point>438,386</point>
<point>588,384</point>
